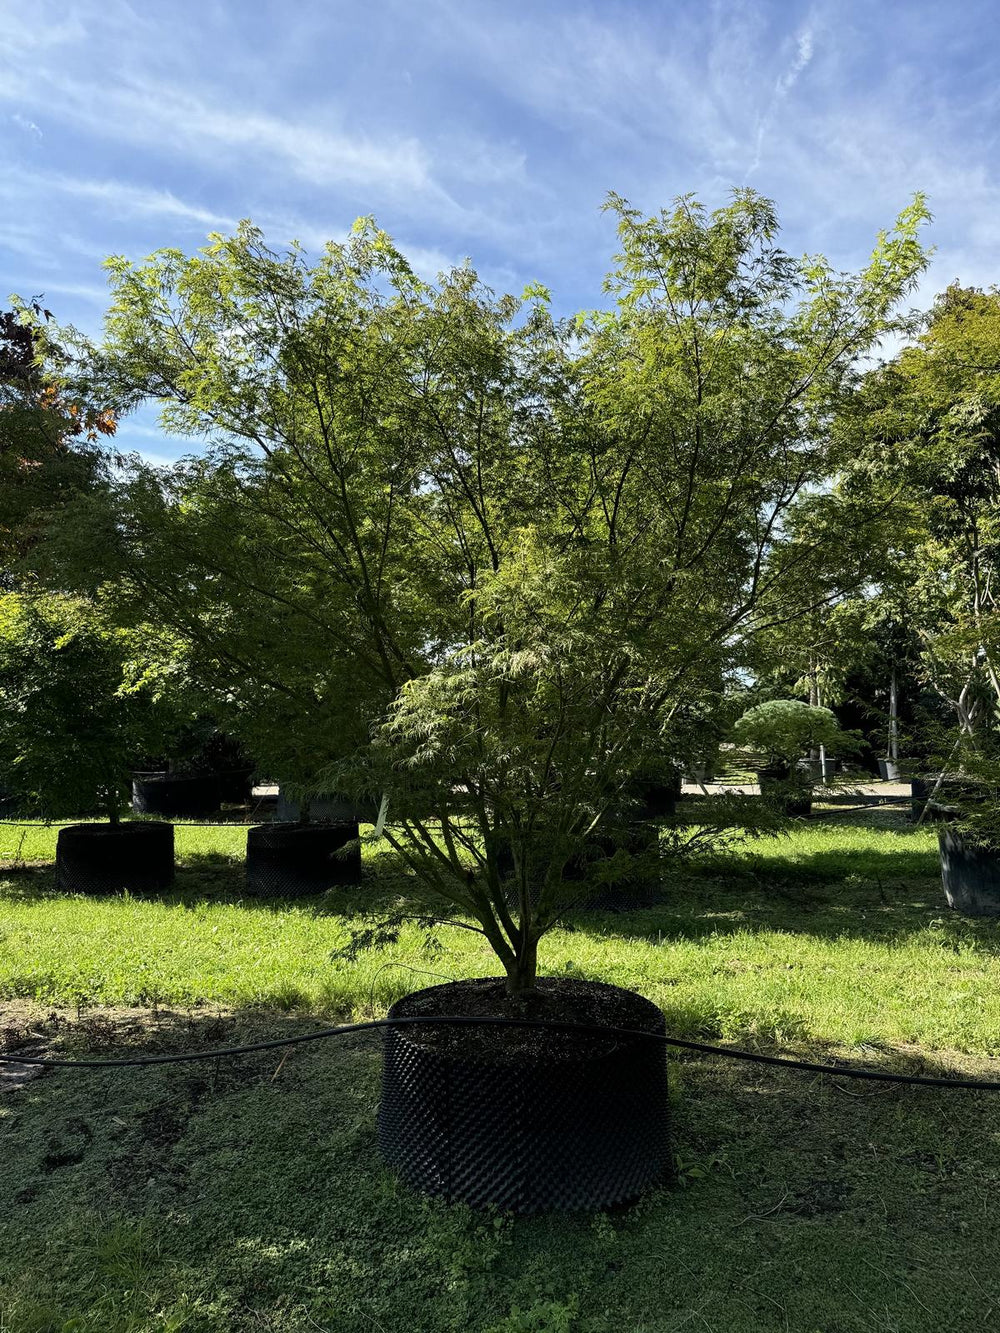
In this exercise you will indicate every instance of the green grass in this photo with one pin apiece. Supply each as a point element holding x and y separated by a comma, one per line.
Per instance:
<point>35,842</point>
<point>249,1195</point>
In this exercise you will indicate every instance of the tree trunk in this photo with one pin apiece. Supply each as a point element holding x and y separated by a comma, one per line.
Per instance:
<point>816,755</point>
<point>893,717</point>
<point>522,970</point>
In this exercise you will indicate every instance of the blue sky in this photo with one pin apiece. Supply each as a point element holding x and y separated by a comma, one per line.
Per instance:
<point>484,128</point>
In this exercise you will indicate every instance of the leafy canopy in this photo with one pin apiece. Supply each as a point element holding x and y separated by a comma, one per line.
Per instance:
<point>787,729</point>
<point>79,704</point>
<point>447,547</point>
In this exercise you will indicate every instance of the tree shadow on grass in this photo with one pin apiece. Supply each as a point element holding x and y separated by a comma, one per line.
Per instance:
<point>867,895</point>
<point>212,877</point>
<point>248,1192</point>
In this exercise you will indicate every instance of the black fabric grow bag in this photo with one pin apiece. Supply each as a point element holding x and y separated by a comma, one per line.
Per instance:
<point>970,875</point>
<point>175,797</point>
<point>579,1123</point>
<point>109,858</point>
<point>288,860</point>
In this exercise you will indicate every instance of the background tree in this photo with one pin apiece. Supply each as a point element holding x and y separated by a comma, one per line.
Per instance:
<point>518,554</point>
<point>80,702</point>
<point>928,426</point>
<point>47,435</point>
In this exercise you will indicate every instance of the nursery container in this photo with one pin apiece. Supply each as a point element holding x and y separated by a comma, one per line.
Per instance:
<point>111,858</point>
<point>970,875</point>
<point>523,1119</point>
<point>291,860</point>
<point>175,797</point>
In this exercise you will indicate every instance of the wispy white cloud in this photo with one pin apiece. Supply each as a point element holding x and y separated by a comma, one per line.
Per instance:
<point>28,126</point>
<point>80,291</point>
<point>468,126</point>
<point>115,196</point>
<point>804,51</point>
<point>783,85</point>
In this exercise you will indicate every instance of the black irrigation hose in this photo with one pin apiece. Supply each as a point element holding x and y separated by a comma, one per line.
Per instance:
<point>844,1071</point>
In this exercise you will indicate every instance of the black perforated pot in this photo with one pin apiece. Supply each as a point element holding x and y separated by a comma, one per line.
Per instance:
<point>634,890</point>
<point>289,860</point>
<point>175,797</point>
<point>970,875</point>
<point>544,1123</point>
<point>110,858</point>
<point>327,809</point>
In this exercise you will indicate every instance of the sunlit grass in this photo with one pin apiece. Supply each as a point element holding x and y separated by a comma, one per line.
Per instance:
<point>830,934</point>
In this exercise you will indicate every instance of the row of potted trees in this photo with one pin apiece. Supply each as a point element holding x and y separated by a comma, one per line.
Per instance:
<point>282,860</point>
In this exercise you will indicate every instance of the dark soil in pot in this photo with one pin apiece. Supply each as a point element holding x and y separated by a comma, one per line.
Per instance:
<point>970,875</point>
<point>525,1119</point>
<point>175,797</point>
<point>291,860</point>
<point>111,858</point>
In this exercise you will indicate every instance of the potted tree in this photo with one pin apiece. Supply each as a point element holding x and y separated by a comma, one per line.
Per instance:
<point>483,561</point>
<point>73,714</point>
<point>206,769</point>
<point>969,845</point>
<point>313,842</point>
<point>929,421</point>
<point>784,731</point>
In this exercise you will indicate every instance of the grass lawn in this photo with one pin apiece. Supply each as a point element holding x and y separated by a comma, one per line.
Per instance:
<point>248,1194</point>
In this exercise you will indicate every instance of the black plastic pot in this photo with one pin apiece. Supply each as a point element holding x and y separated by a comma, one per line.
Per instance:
<point>777,785</point>
<point>657,797</point>
<point>291,860</point>
<point>970,875</point>
<point>530,1124</point>
<point>175,797</point>
<point>951,794</point>
<point>814,768</point>
<point>328,809</point>
<point>235,787</point>
<point>110,858</point>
